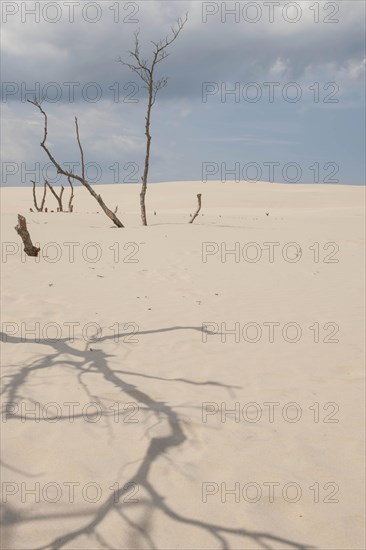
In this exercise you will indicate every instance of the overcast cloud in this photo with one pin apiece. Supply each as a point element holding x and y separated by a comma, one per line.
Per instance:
<point>322,132</point>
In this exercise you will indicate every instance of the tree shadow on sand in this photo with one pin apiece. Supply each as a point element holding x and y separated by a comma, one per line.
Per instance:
<point>95,363</point>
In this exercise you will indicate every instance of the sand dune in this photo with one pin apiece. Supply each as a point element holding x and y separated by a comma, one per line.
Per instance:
<point>162,431</point>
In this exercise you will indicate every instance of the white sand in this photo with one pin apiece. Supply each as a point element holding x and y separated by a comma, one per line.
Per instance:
<point>170,453</point>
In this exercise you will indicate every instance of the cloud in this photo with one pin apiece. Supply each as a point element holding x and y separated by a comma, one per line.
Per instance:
<point>249,139</point>
<point>278,68</point>
<point>84,52</point>
<point>79,58</point>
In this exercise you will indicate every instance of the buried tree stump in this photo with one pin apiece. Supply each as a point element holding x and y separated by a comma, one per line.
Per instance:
<point>23,232</point>
<point>199,195</point>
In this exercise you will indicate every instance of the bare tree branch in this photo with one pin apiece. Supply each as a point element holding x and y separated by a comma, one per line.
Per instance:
<point>82,179</point>
<point>57,197</point>
<point>145,70</point>
<point>81,149</point>
<point>39,208</point>
<point>199,195</point>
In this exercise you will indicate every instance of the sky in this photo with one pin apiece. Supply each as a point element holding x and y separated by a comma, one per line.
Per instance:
<point>259,90</point>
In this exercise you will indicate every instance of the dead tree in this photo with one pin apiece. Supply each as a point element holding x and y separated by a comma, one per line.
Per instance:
<point>145,70</point>
<point>57,197</point>
<point>39,208</point>
<point>71,206</point>
<point>199,195</point>
<point>81,178</point>
<point>23,232</point>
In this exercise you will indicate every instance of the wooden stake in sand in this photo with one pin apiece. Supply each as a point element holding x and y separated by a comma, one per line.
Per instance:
<point>199,195</point>
<point>23,232</point>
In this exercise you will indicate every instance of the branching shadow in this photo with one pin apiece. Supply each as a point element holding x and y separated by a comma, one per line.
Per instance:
<point>90,363</point>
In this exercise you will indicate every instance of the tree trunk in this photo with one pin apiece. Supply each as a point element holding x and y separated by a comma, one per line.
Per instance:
<point>34,197</point>
<point>147,157</point>
<point>71,206</point>
<point>44,196</point>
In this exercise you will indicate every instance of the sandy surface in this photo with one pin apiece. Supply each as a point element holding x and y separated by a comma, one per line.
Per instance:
<point>131,443</point>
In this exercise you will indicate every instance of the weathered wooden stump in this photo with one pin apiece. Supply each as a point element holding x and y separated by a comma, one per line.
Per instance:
<point>23,232</point>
